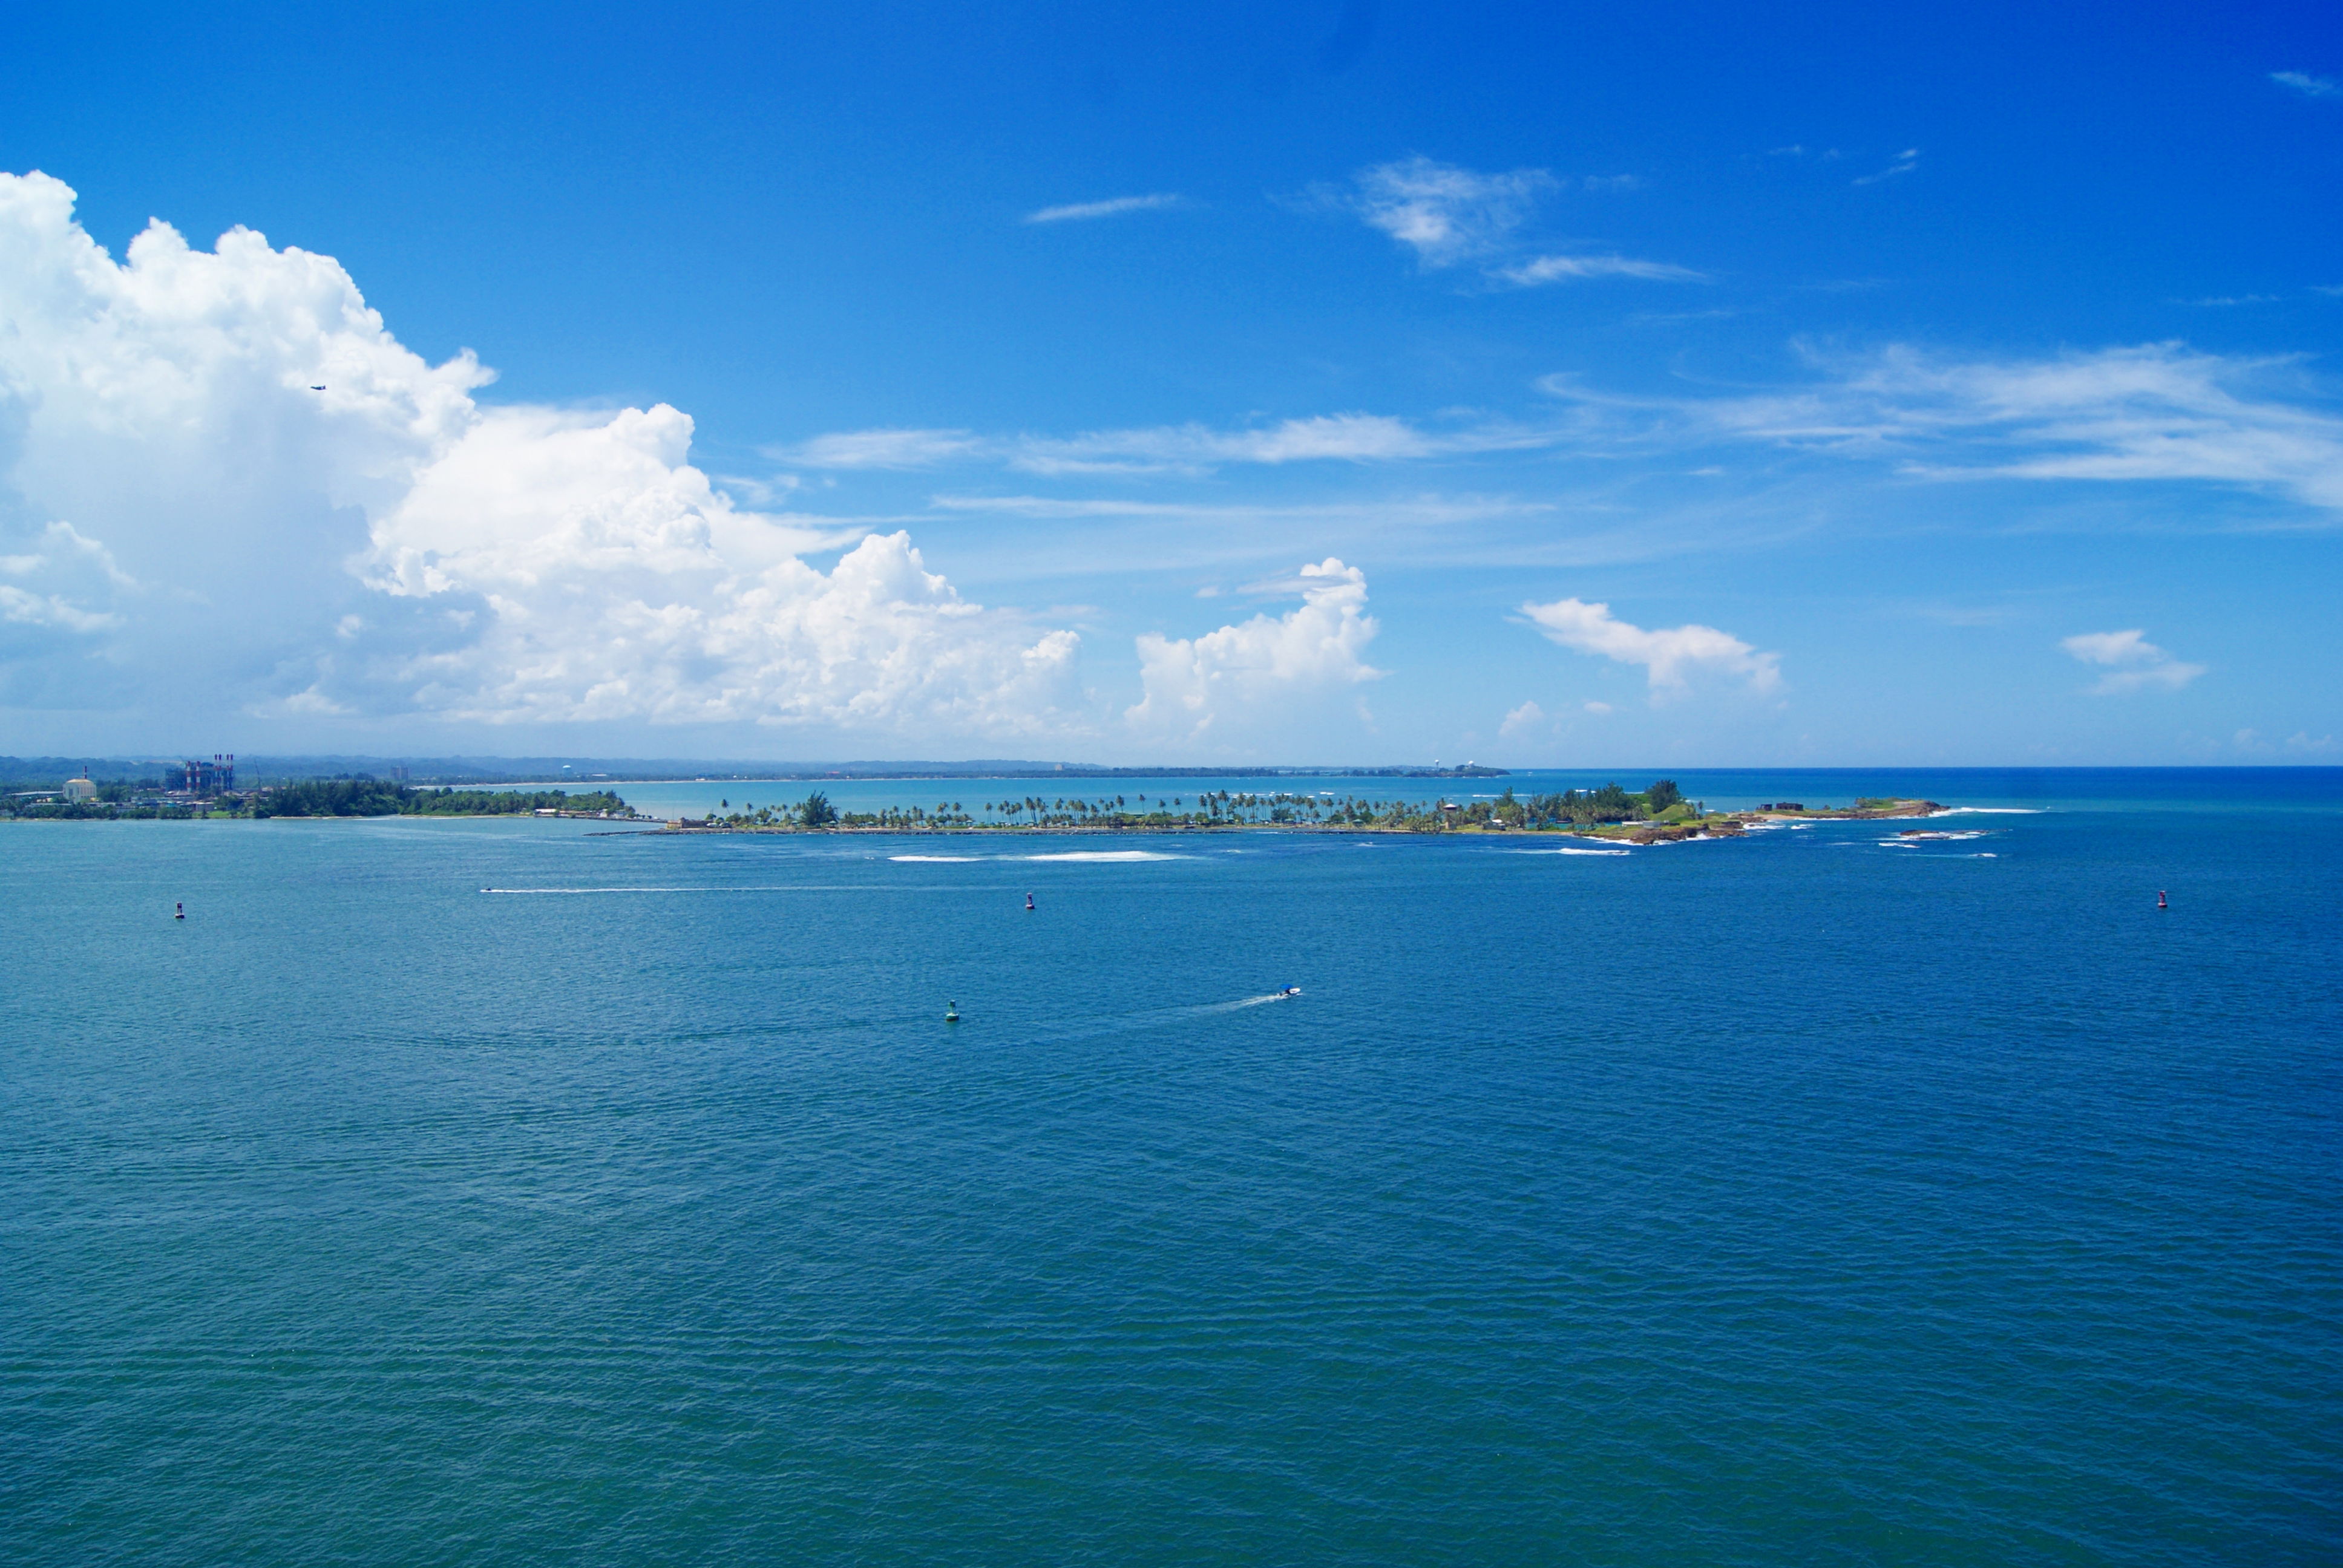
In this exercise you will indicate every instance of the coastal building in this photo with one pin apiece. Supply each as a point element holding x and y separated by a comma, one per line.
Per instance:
<point>81,789</point>
<point>200,778</point>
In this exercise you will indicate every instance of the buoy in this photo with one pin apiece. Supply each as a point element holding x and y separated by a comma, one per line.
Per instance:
<point>1028,900</point>
<point>2159,899</point>
<point>952,1013</point>
<point>178,912</point>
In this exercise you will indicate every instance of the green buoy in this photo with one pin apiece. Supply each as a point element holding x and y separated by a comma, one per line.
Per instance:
<point>952,1013</point>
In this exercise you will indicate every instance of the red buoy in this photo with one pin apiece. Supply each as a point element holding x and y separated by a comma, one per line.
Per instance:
<point>2159,899</point>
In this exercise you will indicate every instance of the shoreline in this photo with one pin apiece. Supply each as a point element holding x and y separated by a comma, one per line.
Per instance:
<point>1717,825</point>
<point>1649,830</point>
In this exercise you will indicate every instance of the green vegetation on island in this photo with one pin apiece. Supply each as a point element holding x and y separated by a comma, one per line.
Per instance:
<point>358,796</point>
<point>379,798</point>
<point>1658,811</point>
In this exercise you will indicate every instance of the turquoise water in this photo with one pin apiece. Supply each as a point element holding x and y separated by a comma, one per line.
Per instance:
<point>1796,1200</point>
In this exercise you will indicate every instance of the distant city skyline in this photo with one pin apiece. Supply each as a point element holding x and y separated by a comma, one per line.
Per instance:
<point>1343,384</point>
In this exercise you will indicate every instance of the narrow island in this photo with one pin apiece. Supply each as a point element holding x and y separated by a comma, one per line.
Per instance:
<point>1657,814</point>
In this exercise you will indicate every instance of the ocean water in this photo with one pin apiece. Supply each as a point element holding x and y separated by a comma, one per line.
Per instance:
<point>512,1192</point>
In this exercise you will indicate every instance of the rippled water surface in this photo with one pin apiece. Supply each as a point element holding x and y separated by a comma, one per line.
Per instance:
<point>1806,1199</point>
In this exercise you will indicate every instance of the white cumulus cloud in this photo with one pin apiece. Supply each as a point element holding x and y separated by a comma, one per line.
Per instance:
<point>2135,664</point>
<point>1523,720</point>
<point>620,585</point>
<point>324,523</point>
<point>1669,656</point>
<point>61,580</point>
<point>1260,667</point>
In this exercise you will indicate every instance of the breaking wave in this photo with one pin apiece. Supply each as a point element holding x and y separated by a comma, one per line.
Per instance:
<point>1114,855</point>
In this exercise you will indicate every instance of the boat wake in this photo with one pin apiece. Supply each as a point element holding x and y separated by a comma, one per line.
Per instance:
<point>582,892</point>
<point>1073,1028</point>
<point>1245,1001</point>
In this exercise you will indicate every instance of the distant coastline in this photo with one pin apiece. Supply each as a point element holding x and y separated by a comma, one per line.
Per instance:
<point>1656,814</point>
<point>114,801</point>
<point>18,773</point>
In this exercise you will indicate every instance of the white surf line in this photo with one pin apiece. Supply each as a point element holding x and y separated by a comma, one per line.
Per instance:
<point>1099,856</point>
<point>1993,812</point>
<point>1103,855</point>
<point>1567,851</point>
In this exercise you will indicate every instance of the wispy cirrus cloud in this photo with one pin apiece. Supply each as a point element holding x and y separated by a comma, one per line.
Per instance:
<point>2301,743</point>
<point>1669,656</point>
<point>1191,448</point>
<point>1449,215</point>
<point>1115,207</point>
<point>2309,85</point>
<point>1355,438</point>
<point>1343,437</point>
<point>1208,538</point>
<point>2151,412</point>
<point>1556,268</point>
<point>1443,213</point>
<point>1433,512</point>
<point>2133,663</point>
<point>1903,164</point>
<point>885,448</point>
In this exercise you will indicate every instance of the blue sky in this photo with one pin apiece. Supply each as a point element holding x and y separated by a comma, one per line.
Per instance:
<point>1334,382</point>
